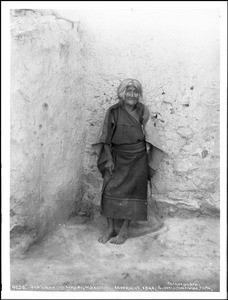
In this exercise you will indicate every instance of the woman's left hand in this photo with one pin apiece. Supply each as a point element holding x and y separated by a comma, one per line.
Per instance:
<point>109,166</point>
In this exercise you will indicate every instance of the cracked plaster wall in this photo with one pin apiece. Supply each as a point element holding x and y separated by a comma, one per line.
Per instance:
<point>64,76</point>
<point>47,133</point>
<point>175,55</point>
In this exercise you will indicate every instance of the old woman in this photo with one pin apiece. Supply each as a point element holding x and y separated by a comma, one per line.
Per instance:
<point>129,153</point>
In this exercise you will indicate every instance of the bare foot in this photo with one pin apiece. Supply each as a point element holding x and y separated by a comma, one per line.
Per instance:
<point>106,237</point>
<point>119,239</point>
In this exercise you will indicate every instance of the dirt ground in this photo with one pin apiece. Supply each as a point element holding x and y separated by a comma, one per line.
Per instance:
<point>182,256</point>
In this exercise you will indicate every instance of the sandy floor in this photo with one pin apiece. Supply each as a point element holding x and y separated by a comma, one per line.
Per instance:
<point>183,256</point>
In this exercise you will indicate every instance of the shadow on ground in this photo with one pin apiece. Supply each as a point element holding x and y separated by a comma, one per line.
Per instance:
<point>183,255</point>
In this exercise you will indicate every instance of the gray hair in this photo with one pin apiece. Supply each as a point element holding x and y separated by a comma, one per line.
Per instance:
<point>127,82</point>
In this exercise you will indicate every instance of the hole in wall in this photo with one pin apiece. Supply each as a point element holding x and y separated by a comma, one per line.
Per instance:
<point>45,106</point>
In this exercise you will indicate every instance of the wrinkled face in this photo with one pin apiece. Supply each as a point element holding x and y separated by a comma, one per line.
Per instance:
<point>131,95</point>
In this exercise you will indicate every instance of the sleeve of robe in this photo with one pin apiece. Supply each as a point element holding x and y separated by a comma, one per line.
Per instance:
<point>155,152</point>
<point>103,137</point>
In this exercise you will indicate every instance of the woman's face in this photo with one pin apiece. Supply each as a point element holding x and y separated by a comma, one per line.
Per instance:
<point>131,95</point>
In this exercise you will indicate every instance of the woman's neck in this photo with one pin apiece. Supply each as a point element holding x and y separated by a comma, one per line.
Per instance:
<point>129,108</point>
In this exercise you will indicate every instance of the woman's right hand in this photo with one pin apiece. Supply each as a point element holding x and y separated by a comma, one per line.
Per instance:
<point>110,166</point>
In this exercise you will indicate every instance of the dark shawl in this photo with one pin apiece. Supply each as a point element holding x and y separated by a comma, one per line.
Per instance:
<point>107,129</point>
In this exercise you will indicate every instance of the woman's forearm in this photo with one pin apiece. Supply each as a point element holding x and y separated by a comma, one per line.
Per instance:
<point>108,152</point>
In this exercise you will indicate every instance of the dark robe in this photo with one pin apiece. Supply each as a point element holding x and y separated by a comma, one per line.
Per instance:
<point>124,194</point>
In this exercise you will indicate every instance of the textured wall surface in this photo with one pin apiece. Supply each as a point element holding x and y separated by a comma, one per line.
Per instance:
<point>65,69</point>
<point>47,133</point>
<point>175,55</point>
